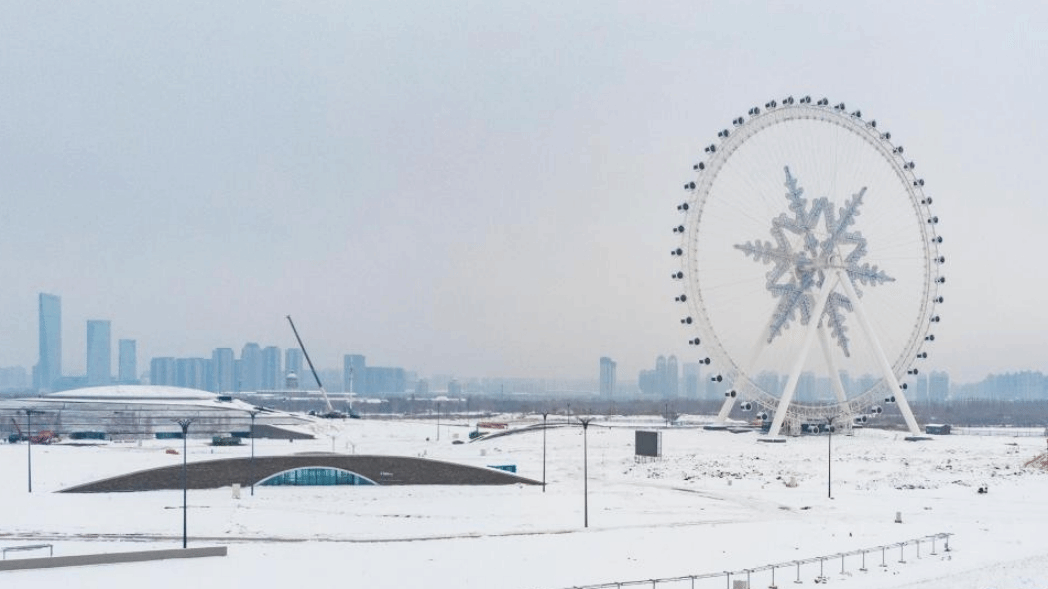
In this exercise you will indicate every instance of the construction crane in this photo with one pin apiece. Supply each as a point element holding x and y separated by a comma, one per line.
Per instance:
<point>45,436</point>
<point>329,411</point>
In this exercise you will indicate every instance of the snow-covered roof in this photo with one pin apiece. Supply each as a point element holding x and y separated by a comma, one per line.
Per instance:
<point>135,393</point>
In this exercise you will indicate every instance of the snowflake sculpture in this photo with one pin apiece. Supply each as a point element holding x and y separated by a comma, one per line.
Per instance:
<point>800,264</point>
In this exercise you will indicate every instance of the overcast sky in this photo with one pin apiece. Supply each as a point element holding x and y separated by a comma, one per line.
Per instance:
<point>475,188</point>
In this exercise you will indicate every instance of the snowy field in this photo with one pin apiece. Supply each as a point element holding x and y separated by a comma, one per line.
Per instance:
<point>715,502</point>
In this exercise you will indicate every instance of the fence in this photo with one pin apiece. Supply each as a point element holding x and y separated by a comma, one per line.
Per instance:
<point>1011,432</point>
<point>746,576</point>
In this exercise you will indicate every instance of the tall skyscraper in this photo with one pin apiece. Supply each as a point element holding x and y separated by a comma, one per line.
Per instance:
<point>223,370</point>
<point>49,367</point>
<point>127,362</point>
<point>354,371</point>
<point>293,362</point>
<point>272,377</point>
<point>250,378</point>
<point>99,353</point>
<point>607,377</point>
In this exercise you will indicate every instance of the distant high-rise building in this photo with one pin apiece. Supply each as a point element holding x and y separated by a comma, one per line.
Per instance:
<point>938,386</point>
<point>191,373</point>
<point>454,388</point>
<point>223,370</point>
<point>667,377</point>
<point>648,382</point>
<point>382,379</point>
<point>607,377</point>
<point>99,353</point>
<point>271,372</point>
<point>354,372</point>
<point>672,378</point>
<point>770,382</point>
<point>692,372</point>
<point>250,378</point>
<point>13,378</point>
<point>127,362</point>
<point>293,361</point>
<point>422,387</point>
<point>805,390</point>
<point>162,372</point>
<point>919,393</point>
<point>49,368</point>
<point>660,376</point>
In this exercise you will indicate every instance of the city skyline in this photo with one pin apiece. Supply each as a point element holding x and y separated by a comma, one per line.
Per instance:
<point>263,367</point>
<point>483,192</point>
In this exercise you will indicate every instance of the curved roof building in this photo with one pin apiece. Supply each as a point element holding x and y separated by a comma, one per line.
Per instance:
<point>136,410</point>
<point>304,469</point>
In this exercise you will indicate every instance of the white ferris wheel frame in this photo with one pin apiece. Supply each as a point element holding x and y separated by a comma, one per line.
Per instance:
<point>891,370</point>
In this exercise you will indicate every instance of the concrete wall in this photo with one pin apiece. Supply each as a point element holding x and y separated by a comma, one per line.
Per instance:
<point>17,564</point>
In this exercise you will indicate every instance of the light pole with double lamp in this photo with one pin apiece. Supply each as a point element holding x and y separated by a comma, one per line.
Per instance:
<point>253,413</point>
<point>829,456</point>
<point>545,414</point>
<point>184,424</point>
<point>29,443</point>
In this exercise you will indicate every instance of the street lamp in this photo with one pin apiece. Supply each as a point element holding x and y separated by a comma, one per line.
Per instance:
<point>438,421</point>
<point>29,444</point>
<point>184,423</point>
<point>253,413</point>
<point>544,415</point>
<point>829,456</point>
<point>585,471</point>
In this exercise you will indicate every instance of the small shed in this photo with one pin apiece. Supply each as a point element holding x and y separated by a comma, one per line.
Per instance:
<point>939,429</point>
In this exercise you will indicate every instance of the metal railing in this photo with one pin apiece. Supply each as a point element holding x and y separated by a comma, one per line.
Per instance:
<point>7,549</point>
<point>1010,432</point>
<point>791,566</point>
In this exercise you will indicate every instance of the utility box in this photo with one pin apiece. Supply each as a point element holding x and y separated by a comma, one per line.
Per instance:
<point>939,429</point>
<point>648,444</point>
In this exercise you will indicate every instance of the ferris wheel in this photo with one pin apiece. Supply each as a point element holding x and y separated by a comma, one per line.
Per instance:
<point>809,266</point>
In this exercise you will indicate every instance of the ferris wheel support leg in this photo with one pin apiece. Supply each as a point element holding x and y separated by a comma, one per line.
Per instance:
<point>802,357</point>
<point>725,409</point>
<point>882,359</point>
<point>755,353</point>
<point>831,364</point>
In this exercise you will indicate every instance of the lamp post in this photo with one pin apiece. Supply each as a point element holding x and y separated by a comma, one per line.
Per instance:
<point>184,424</point>
<point>253,413</point>
<point>585,472</point>
<point>544,415</point>
<point>829,456</point>
<point>29,445</point>
<point>438,421</point>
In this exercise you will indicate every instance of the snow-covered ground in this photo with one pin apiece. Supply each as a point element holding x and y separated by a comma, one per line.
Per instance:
<point>716,501</point>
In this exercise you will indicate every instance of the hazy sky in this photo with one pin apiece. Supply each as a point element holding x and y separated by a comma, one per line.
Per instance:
<point>477,188</point>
